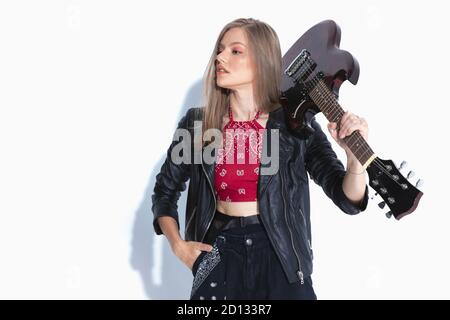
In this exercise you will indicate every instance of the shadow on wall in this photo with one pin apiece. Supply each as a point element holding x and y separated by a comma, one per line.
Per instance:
<point>163,275</point>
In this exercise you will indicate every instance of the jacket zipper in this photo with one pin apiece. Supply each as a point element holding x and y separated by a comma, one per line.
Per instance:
<point>307,238</point>
<point>310,249</point>
<point>299,271</point>
<point>191,218</point>
<point>215,203</point>
<point>309,242</point>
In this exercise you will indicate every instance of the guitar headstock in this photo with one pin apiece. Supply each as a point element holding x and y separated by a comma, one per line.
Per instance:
<point>398,193</point>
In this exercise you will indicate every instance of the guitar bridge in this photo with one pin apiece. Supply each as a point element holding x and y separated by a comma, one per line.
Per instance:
<point>301,67</point>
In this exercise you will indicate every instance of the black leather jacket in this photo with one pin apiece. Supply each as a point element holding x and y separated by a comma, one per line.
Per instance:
<point>283,198</point>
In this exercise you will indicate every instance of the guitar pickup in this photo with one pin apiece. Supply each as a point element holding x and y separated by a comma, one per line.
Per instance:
<point>301,67</point>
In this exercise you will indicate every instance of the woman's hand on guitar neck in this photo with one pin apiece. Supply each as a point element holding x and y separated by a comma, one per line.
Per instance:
<point>349,122</point>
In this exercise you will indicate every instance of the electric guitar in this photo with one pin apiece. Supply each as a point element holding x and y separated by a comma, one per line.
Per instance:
<point>314,69</point>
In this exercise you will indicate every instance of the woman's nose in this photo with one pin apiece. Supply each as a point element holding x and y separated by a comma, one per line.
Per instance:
<point>220,58</point>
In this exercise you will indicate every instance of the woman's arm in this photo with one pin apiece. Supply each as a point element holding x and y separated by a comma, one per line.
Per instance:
<point>328,171</point>
<point>170,182</point>
<point>354,183</point>
<point>170,229</point>
<point>186,251</point>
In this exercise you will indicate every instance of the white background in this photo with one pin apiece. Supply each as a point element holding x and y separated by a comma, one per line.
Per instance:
<point>91,92</point>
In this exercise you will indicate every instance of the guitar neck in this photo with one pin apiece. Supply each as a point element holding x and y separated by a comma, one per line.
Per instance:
<point>328,104</point>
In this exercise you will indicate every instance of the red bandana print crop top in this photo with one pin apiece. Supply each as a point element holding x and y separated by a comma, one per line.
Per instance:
<point>237,162</point>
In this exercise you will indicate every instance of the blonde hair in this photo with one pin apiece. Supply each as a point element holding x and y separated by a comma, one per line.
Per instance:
<point>264,48</point>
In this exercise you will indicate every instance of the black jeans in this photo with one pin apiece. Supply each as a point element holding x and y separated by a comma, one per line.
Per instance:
<point>243,265</point>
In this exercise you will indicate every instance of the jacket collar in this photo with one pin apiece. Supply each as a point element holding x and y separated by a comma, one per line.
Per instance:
<point>277,118</point>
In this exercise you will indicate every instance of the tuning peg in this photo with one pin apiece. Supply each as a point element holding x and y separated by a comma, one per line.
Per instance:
<point>403,164</point>
<point>410,174</point>
<point>382,204</point>
<point>389,214</point>
<point>419,183</point>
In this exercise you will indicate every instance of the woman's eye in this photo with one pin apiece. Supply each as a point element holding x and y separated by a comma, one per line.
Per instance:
<point>233,51</point>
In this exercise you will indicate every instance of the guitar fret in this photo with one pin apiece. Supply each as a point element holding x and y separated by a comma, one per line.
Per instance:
<point>328,104</point>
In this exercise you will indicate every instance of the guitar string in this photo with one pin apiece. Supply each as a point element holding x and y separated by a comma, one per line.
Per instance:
<point>352,139</point>
<point>338,109</point>
<point>365,148</point>
<point>378,163</point>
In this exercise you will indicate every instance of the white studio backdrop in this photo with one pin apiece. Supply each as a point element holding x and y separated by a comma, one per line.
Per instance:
<point>90,95</point>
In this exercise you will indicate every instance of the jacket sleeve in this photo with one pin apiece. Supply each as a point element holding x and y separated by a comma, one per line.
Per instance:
<point>328,171</point>
<point>170,182</point>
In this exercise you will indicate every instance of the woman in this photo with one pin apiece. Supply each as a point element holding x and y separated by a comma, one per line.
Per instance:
<point>248,232</point>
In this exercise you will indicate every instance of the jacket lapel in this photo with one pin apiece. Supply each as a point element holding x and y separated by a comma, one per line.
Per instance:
<point>275,121</point>
<point>209,167</point>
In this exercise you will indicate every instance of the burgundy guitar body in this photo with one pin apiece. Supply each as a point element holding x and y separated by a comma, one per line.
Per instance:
<point>314,69</point>
<point>322,42</point>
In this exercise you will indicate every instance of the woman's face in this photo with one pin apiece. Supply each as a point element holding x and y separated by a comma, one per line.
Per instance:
<point>233,55</point>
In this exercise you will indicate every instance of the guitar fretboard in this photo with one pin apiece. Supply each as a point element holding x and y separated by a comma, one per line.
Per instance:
<point>327,103</point>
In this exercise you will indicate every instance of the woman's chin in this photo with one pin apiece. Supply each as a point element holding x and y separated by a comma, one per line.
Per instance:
<point>221,85</point>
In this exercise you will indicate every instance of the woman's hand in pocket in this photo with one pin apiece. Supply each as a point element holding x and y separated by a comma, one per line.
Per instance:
<point>188,251</point>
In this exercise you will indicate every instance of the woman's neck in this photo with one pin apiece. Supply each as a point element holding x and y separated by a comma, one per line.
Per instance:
<point>243,105</point>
